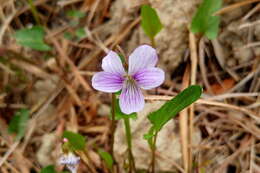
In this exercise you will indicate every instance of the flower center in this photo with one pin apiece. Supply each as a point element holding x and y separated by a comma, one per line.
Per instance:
<point>129,78</point>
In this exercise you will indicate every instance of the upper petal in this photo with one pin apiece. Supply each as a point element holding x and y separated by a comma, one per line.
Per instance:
<point>142,57</point>
<point>112,63</point>
<point>131,98</point>
<point>107,82</point>
<point>149,78</point>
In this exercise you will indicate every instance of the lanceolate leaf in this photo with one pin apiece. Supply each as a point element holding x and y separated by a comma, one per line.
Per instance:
<point>150,22</point>
<point>107,158</point>
<point>32,38</point>
<point>204,22</point>
<point>80,33</point>
<point>76,141</point>
<point>75,14</point>
<point>18,123</point>
<point>48,169</point>
<point>171,108</point>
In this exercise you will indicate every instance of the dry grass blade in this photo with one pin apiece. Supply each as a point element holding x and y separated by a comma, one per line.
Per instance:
<point>202,65</point>
<point>55,86</point>
<point>9,152</point>
<point>194,64</point>
<point>36,112</point>
<point>235,6</point>
<point>221,58</point>
<point>213,103</point>
<point>231,95</point>
<point>114,40</point>
<point>5,25</point>
<point>251,12</point>
<point>243,146</point>
<point>184,125</point>
<point>6,69</point>
<point>31,69</point>
<point>71,64</point>
<point>249,24</point>
<point>243,81</point>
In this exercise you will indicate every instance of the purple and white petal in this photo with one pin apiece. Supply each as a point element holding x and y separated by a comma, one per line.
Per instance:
<point>131,98</point>
<point>142,57</point>
<point>149,78</point>
<point>112,63</point>
<point>107,82</point>
<point>72,168</point>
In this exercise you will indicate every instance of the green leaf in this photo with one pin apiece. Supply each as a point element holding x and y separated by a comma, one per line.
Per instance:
<point>80,33</point>
<point>120,115</point>
<point>107,158</point>
<point>75,14</point>
<point>32,38</point>
<point>213,28</point>
<point>18,123</point>
<point>76,141</point>
<point>73,23</point>
<point>172,107</point>
<point>118,93</point>
<point>150,21</point>
<point>68,36</point>
<point>144,171</point>
<point>122,58</point>
<point>204,22</point>
<point>149,136</point>
<point>48,169</point>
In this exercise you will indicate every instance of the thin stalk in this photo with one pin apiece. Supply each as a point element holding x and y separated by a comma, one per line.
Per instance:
<point>34,12</point>
<point>153,45</point>
<point>152,42</point>
<point>113,124</point>
<point>129,145</point>
<point>153,152</point>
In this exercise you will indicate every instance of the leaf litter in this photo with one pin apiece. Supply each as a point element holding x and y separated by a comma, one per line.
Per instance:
<point>226,130</point>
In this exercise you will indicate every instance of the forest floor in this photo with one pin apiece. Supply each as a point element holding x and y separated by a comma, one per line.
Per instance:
<point>222,131</point>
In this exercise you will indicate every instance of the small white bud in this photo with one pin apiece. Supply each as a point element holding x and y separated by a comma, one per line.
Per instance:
<point>71,161</point>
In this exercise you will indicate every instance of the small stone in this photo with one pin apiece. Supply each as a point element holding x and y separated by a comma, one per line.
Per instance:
<point>48,144</point>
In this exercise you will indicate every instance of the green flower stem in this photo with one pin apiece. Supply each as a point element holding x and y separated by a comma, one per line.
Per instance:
<point>153,148</point>
<point>129,144</point>
<point>113,124</point>
<point>34,12</point>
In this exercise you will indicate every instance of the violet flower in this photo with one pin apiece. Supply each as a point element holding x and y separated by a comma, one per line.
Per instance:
<point>141,74</point>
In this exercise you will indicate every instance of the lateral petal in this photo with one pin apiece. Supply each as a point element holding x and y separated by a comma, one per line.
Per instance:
<point>107,82</point>
<point>149,78</point>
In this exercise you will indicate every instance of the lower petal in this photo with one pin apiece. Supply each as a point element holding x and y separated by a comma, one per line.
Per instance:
<point>131,99</point>
<point>149,78</point>
<point>107,82</point>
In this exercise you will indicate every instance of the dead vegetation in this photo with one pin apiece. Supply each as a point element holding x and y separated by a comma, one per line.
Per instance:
<point>56,88</point>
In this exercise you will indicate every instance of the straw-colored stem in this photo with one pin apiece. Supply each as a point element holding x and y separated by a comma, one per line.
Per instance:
<point>34,12</point>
